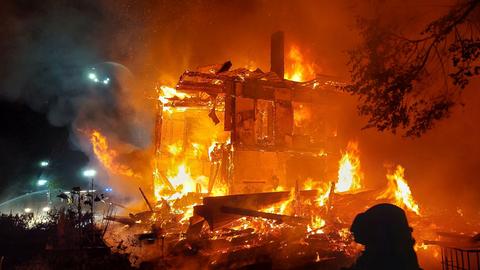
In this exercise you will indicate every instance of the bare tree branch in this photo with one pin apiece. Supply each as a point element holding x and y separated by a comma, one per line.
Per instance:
<point>387,69</point>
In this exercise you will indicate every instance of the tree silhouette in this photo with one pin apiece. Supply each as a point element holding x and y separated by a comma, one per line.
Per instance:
<point>408,84</point>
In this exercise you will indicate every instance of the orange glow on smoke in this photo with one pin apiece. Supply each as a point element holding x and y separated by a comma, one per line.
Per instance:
<point>349,174</point>
<point>399,190</point>
<point>296,68</point>
<point>107,156</point>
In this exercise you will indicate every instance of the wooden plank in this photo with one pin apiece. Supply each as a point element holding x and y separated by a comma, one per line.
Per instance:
<point>212,212</point>
<point>255,200</point>
<point>229,109</point>
<point>253,213</point>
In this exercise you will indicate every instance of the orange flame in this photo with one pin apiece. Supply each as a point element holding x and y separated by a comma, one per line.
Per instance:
<point>349,174</point>
<point>107,156</point>
<point>180,177</point>
<point>175,149</point>
<point>316,225</point>
<point>296,68</point>
<point>170,92</point>
<point>399,190</point>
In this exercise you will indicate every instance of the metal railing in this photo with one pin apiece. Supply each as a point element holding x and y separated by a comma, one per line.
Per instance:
<point>460,258</point>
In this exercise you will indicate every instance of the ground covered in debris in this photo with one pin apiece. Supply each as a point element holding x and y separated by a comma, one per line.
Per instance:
<point>247,242</point>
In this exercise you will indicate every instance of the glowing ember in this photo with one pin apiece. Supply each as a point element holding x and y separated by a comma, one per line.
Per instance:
<point>349,174</point>
<point>296,68</point>
<point>285,207</point>
<point>399,190</point>
<point>316,225</point>
<point>107,156</point>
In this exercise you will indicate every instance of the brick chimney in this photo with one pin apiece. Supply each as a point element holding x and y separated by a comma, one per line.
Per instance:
<point>277,54</point>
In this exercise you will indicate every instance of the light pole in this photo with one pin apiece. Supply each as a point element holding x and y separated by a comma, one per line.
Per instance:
<point>42,182</point>
<point>44,164</point>
<point>90,173</point>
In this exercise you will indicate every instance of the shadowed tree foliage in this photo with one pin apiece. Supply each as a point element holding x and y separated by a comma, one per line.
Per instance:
<point>408,84</point>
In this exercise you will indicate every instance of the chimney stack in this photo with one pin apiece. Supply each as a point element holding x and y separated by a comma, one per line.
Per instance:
<point>277,54</point>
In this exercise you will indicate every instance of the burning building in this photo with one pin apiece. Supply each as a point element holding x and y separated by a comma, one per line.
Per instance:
<point>255,157</point>
<point>245,131</point>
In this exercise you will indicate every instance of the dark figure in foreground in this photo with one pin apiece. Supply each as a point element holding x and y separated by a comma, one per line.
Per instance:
<point>384,231</point>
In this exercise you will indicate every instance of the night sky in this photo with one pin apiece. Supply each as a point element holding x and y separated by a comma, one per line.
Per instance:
<point>26,139</point>
<point>45,49</point>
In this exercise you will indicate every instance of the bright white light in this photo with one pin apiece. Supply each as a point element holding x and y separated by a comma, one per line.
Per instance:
<point>42,182</point>
<point>106,81</point>
<point>92,76</point>
<point>44,163</point>
<point>46,209</point>
<point>27,210</point>
<point>89,173</point>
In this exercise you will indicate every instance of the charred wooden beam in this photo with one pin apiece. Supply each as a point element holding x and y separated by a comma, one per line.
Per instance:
<point>195,227</point>
<point>166,181</point>
<point>213,212</point>
<point>255,200</point>
<point>254,182</point>
<point>123,220</point>
<point>253,213</point>
<point>146,200</point>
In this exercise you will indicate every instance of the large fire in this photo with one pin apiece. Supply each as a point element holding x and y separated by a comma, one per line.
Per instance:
<point>107,156</point>
<point>349,174</point>
<point>399,190</point>
<point>179,176</point>
<point>297,69</point>
<point>194,159</point>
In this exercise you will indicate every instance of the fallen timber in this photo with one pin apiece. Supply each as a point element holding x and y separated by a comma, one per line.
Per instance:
<point>253,213</point>
<point>284,243</point>
<point>222,210</point>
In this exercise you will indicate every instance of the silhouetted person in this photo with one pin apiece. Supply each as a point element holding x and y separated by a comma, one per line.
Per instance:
<point>384,231</point>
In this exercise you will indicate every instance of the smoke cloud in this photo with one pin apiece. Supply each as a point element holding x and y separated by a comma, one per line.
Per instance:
<point>48,49</point>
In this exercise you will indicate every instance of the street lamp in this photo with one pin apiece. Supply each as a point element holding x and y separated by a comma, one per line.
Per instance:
<point>42,182</point>
<point>89,172</point>
<point>44,163</point>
